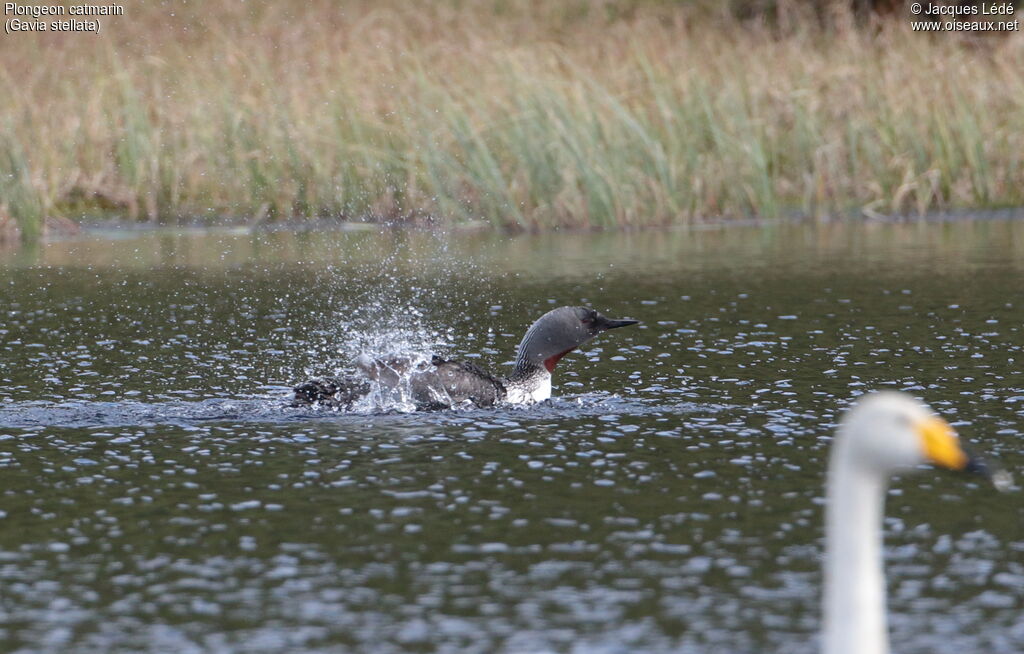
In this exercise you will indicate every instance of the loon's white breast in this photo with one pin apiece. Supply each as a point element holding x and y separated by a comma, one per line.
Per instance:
<point>534,388</point>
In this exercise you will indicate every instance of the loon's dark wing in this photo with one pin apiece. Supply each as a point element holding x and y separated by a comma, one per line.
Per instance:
<point>369,373</point>
<point>433,386</point>
<point>464,381</point>
<point>390,370</point>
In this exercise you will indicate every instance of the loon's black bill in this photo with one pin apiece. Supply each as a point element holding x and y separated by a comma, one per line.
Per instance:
<point>608,323</point>
<point>1000,478</point>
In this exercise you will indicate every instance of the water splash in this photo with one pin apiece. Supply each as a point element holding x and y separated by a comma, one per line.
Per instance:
<point>392,322</point>
<point>391,382</point>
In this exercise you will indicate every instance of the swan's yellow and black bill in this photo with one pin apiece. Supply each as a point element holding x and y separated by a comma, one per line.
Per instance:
<point>942,447</point>
<point>941,444</point>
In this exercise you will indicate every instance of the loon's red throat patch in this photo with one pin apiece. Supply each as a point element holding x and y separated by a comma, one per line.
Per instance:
<point>551,362</point>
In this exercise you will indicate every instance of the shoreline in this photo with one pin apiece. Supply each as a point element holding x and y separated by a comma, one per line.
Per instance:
<point>116,229</point>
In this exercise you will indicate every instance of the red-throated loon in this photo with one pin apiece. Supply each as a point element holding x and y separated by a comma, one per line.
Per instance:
<point>441,384</point>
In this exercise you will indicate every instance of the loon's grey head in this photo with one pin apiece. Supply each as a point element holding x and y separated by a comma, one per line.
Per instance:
<point>561,331</point>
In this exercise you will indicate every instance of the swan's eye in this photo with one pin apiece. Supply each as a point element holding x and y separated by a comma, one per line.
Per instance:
<point>903,420</point>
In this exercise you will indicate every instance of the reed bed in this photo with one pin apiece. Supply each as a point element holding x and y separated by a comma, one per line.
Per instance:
<point>519,114</point>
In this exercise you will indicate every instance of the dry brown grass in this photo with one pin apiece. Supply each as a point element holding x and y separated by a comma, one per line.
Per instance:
<point>523,113</point>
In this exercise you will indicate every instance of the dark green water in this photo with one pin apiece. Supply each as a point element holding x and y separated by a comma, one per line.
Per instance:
<point>157,494</point>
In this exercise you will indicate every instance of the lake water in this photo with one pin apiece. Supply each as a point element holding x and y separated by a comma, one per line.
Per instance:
<point>157,494</point>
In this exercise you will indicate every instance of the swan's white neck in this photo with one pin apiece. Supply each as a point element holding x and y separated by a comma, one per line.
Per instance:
<point>854,600</point>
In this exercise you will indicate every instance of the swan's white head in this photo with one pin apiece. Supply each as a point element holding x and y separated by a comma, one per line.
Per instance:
<point>881,434</point>
<point>889,431</point>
